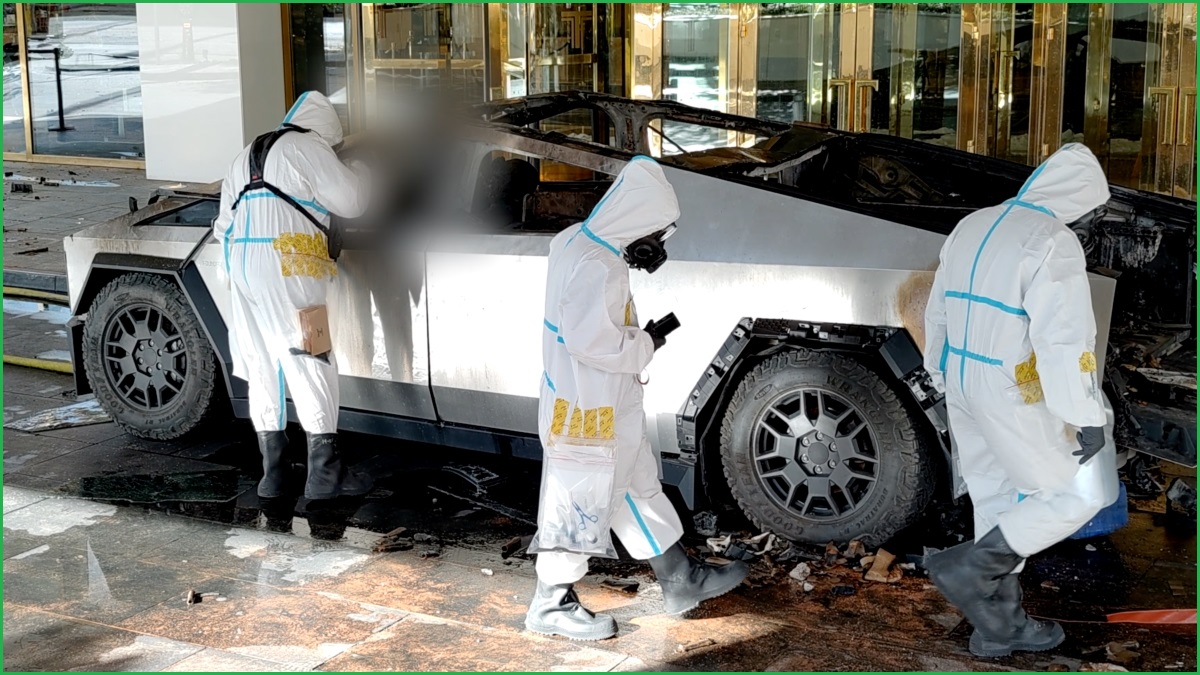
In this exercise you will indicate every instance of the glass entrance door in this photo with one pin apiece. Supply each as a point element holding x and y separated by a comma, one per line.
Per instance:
<point>881,68</point>
<point>1169,118</point>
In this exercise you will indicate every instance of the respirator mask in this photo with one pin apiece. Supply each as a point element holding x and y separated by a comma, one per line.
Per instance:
<point>650,252</point>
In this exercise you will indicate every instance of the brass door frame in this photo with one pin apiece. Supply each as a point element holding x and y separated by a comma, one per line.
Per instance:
<point>28,155</point>
<point>1047,86</point>
<point>1169,113</point>
<point>1099,81</point>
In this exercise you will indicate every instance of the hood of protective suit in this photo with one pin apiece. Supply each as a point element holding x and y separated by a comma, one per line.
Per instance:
<point>314,112</point>
<point>1070,183</point>
<point>640,202</point>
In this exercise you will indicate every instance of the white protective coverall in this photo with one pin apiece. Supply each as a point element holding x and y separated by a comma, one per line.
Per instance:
<point>1010,339</point>
<point>593,351</point>
<point>278,264</point>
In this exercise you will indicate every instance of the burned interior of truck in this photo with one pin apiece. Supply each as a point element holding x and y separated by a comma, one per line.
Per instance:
<point>1146,241</point>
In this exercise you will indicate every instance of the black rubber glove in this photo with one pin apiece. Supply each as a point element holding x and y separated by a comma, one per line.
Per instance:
<point>1091,441</point>
<point>659,340</point>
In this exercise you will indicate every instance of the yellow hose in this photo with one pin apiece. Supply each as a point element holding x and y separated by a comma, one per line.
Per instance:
<point>30,294</point>
<point>39,364</point>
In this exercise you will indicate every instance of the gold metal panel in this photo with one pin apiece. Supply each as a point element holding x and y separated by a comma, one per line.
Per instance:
<point>646,51</point>
<point>1183,178</point>
<point>1049,61</point>
<point>497,48</point>
<point>1099,81</point>
<point>26,104</point>
<point>904,65</point>
<point>972,78</point>
<point>999,129</point>
<point>820,63</point>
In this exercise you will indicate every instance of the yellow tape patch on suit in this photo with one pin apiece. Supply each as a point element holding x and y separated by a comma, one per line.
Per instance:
<point>589,423</point>
<point>1029,383</point>
<point>607,430</point>
<point>576,428</point>
<point>304,255</point>
<point>1087,362</point>
<point>560,415</point>
<point>629,313</point>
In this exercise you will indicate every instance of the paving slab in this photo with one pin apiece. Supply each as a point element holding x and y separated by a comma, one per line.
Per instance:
<point>424,643</point>
<point>36,641</point>
<point>293,628</point>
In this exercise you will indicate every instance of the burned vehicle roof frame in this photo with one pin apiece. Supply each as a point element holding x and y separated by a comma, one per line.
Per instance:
<point>801,268</point>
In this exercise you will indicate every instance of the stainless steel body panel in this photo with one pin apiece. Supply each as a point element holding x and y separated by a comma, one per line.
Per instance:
<point>460,323</point>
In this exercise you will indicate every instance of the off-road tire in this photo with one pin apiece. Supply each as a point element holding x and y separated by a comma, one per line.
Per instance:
<point>905,477</point>
<point>197,401</point>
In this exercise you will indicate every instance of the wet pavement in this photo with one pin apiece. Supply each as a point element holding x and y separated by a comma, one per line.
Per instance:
<point>106,535</point>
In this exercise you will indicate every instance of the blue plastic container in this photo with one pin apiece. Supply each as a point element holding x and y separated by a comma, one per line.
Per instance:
<point>1112,518</point>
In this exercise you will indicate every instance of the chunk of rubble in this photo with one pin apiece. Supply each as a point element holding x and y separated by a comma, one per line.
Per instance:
<point>1102,668</point>
<point>801,572</point>
<point>855,550</point>
<point>1122,652</point>
<point>832,554</point>
<point>881,568</point>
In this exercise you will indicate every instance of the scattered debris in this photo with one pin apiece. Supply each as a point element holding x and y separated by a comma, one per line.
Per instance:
<point>623,585</point>
<point>865,562</point>
<point>719,545</point>
<point>801,572</point>
<point>191,597</point>
<point>21,188</point>
<point>1102,668</point>
<point>425,555</point>
<point>393,541</point>
<point>743,548</point>
<point>881,569</point>
<point>1058,668</point>
<point>1049,585</point>
<point>1089,547</point>
<point>466,512</point>
<point>1122,652</point>
<point>486,572</point>
<point>842,589</point>
<point>1181,498</point>
<point>855,550</point>
<point>422,538</point>
<point>808,587</point>
<point>69,182</point>
<point>516,546</point>
<point>693,646</point>
<point>33,251</point>
<point>831,554</point>
<point>705,523</point>
<point>74,415</point>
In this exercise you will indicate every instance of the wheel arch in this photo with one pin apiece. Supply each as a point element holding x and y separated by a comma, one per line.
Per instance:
<point>891,352</point>
<point>107,267</point>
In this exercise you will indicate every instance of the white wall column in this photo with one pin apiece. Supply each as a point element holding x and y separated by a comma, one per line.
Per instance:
<point>212,80</point>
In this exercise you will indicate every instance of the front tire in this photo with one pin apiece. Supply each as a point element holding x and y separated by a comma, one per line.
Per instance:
<point>816,447</point>
<point>147,358</point>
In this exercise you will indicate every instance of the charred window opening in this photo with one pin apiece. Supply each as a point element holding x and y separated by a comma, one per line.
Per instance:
<point>513,193</point>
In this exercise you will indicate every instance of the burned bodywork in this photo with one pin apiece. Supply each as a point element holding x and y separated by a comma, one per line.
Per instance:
<point>803,254</point>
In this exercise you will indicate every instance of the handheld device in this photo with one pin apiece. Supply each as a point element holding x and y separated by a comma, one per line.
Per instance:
<point>665,325</point>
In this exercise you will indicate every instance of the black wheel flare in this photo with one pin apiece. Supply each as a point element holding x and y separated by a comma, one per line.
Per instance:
<point>145,359</point>
<point>814,454</point>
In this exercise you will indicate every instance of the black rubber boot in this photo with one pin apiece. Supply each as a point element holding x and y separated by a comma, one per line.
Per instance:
<point>1028,634</point>
<point>272,444</point>
<point>328,478</point>
<point>969,576</point>
<point>686,583</point>
<point>556,610</point>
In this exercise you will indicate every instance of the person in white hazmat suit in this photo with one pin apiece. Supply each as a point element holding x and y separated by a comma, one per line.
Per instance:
<point>1010,339</point>
<point>594,352</point>
<point>273,226</point>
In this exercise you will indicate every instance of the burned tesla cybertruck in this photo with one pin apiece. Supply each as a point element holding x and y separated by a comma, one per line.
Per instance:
<point>800,272</point>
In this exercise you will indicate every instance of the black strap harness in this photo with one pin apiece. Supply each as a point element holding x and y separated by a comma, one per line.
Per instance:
<point>258,158</point>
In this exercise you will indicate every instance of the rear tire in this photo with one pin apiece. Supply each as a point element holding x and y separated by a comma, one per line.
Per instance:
<point>816,447</point>
<point>148,360</point>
